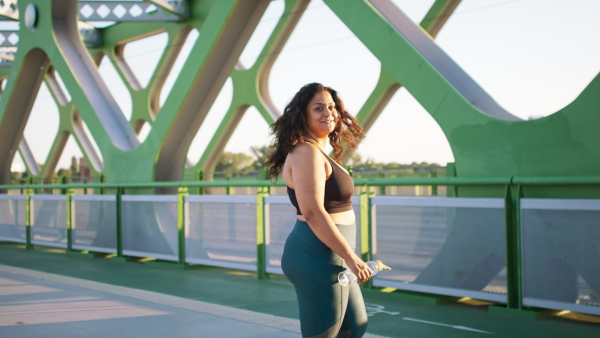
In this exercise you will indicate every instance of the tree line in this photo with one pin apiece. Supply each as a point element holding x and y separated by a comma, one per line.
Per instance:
<point>255,162</point>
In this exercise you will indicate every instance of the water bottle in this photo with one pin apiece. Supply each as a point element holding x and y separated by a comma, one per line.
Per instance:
<point>347,277</point>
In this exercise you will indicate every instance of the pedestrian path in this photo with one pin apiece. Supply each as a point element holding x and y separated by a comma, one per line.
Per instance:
<point>47,305</point>
<point>45,293</point>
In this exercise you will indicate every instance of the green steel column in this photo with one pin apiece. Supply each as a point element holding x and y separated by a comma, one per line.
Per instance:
<point>513,247</point>
<point>227,29</point>
<point>250,86</point>
<point>261,233</point>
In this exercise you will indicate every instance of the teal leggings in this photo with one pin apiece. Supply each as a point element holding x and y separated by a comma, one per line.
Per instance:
<point>326,307</point>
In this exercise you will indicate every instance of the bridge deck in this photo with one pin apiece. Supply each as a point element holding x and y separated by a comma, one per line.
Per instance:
<point>45,293</point>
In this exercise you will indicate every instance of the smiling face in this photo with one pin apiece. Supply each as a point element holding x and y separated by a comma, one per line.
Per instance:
<point>321,115</point>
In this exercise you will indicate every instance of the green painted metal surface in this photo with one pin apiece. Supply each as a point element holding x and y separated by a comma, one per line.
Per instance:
<point>485,140</point>
<point>555,156</point>
<point>161,156</point>
<point>563,143</point>
<point>250,86</point>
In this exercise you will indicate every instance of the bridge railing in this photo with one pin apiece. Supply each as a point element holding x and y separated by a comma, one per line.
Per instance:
<point>522,252</point>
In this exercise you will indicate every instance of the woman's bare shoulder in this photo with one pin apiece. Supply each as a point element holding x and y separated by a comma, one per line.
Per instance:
<point>304,151</point>
<point>305,156</point>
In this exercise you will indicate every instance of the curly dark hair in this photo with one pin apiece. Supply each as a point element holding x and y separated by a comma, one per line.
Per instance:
<point>290,128</point>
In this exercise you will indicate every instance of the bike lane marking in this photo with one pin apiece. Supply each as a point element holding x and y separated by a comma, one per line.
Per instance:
<point>458,327</point>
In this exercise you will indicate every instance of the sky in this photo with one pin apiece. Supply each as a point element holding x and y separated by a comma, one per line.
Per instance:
<point>532,56</point>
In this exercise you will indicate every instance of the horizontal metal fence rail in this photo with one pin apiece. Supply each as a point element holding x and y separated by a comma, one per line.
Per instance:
<point>56,220</point>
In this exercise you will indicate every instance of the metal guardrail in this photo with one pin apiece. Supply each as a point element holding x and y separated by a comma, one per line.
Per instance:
<point>513,192</point>
<point>515,180</point>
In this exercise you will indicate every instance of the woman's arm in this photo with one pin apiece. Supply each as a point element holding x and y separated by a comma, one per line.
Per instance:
<point>308,171</point>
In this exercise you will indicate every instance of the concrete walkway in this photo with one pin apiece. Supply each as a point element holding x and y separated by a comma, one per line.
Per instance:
<point>38,304</point>
<point>49,293</point>
<point>50,306</point>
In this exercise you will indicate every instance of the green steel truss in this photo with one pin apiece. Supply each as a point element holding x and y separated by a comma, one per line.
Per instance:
<point>486,140</point>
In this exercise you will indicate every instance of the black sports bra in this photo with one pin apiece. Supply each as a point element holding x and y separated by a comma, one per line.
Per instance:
<point>339,188</point>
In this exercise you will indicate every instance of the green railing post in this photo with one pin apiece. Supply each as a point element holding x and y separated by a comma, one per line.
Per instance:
<point>69,219</point>
<point>229,189</point>
<point>30,182</point>
<point>200,178</point>
<point>451,190</point>
<point>261,233</point>
<point>119,225</point>
<point>63,181</point>
<point>434,187</point>
<point>181,193</point>
<point>102,179</point>
<point>28,193</point>
<point>513,248</point>
<point>382,187</point>
<point>366,245</point>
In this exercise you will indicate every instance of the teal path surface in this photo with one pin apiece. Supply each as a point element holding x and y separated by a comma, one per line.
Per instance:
<point>48,293</point>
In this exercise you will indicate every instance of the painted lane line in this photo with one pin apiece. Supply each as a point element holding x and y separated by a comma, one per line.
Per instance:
<point>458,327</point>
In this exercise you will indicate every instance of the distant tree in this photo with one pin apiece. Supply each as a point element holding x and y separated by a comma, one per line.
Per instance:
<point>233,162</point>
<point>260,154</point>
<point>64,172</point>
<point>243,164</point>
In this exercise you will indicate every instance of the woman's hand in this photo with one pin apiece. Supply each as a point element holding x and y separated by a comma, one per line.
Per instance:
<point>360,269</point>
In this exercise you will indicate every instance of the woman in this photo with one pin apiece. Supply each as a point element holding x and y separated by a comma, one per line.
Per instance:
<point>321,244</point>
